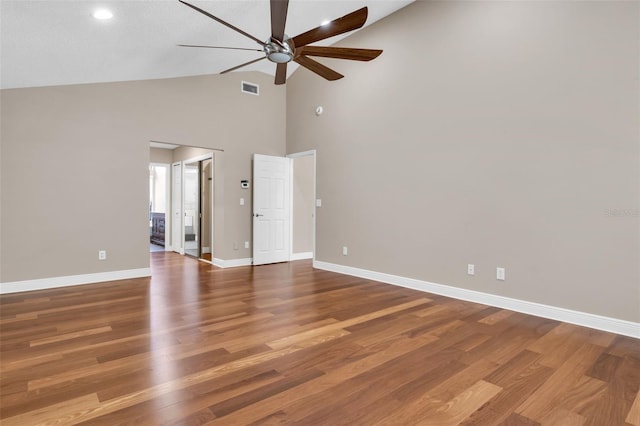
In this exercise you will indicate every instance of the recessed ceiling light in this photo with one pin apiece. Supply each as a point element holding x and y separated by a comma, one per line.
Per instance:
<point>325,22</point>
<point>102,14</point>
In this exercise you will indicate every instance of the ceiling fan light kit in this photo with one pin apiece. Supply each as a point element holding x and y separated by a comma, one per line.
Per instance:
<point>279,53</point>
<point>281,50</point>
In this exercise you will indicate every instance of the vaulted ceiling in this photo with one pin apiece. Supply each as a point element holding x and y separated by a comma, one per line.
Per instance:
<point>59,42</point>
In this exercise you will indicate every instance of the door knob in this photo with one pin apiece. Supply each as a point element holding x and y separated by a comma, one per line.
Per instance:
<point>257,215</point>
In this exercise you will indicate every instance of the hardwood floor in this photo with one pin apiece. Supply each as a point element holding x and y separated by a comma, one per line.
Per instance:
<point>286,344</point>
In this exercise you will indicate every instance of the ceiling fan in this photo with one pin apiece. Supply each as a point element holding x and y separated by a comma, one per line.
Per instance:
<point>281,49</point>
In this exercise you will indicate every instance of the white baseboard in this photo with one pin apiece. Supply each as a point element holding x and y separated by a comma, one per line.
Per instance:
<point>56,282</point>
<point>232,263</point>
<point>302,255</point>
<point>613,325</point>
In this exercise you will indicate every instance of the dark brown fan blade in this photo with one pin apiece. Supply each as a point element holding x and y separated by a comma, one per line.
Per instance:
<point>243,65</point>
<point>340,52</point>
<point>215,18</point>
<point>219,47</point>
<point>318,68</point>
<point>281,74</point>
<point>350,22</point>
<point>278,18</point>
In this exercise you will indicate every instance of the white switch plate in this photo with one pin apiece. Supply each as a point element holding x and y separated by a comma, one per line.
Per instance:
<point>500,274</point>
<point>246,244</point>
<point>471,269</point>
<point>345,251</point>
<point>102,255</point>
<point>242,201</point>
<point>318,202</point>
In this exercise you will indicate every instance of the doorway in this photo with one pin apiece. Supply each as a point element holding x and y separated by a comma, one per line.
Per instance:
<point>284,207</point>
<point>197,209</point>
<point>303,204</point>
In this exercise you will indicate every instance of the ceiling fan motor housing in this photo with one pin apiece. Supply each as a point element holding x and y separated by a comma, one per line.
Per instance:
<point>278,52</point>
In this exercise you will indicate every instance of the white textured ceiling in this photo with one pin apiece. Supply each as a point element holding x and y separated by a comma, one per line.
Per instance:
<point>55,42</point>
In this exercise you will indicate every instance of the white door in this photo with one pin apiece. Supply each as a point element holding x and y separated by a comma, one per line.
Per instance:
<point>271,209</point>
<point>176,207</point>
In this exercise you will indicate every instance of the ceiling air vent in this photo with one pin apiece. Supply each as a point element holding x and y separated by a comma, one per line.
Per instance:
<point>250,88</point>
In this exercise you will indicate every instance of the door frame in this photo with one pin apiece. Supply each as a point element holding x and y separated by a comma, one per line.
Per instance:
<point>198,159</point>
<point>210,206</point>
<point>167,196</point>
<point>177,246</point>
<point>308,153</point>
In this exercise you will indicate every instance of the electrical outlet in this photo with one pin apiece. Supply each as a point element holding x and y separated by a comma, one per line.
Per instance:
<point>345,251</point>
<point>471,269</point>
<point>500,274</point>
<point>246,244</point>
<point>242,201</point>
<point>318,202</point>
<point>102,255</point>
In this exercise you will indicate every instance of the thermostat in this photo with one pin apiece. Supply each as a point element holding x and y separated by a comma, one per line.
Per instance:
<point>244,184</point>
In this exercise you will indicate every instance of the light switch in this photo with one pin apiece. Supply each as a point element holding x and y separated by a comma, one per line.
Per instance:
<point>242,201</point>
<point>318,202</point>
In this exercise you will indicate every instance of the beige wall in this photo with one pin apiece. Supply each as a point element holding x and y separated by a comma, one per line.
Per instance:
<point>159,155</point>
<point>184,153</point>
<point>74,169</point>
<point>303,177</point>
<point>494,133</point>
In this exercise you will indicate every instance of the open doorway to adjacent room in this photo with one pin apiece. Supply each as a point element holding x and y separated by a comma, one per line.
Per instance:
<point>303,193</point>
<point>181,220</point>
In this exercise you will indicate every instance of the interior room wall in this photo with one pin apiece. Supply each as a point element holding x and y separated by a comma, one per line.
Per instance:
<point>492,133</point>
<point>83,152</point>
<point>184,153</point>
<point>303,187</point>
<point>160,155</point>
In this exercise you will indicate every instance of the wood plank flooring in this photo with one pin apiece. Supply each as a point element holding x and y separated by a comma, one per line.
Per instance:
<point>287,344</point>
